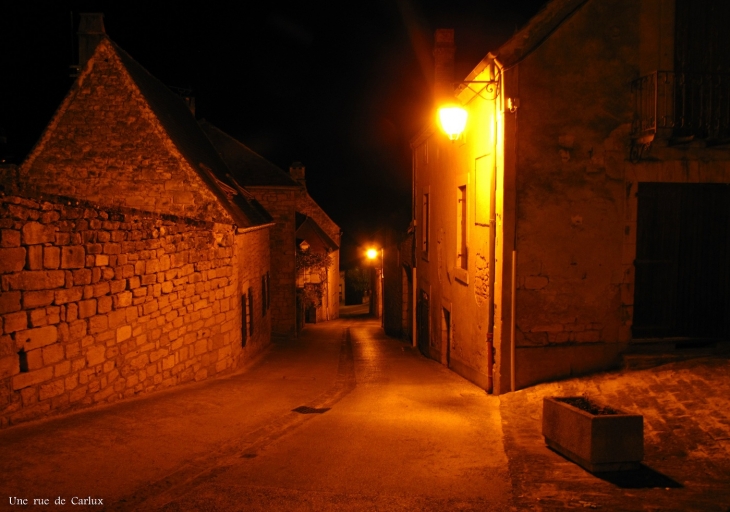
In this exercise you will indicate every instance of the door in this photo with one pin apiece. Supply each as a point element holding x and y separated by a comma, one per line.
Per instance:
<point>446,335</point>
<point>682,267</point>
<point>422,319</point>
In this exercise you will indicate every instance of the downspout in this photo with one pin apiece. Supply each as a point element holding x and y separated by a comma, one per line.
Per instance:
<point>414,251</point>
<point>327,291</point>
<point>414,285</point>
<point>498,110</point>
<point>513,107</point>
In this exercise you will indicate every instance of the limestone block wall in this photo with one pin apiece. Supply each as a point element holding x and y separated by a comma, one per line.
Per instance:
<point>254,276</point>
<point>570,192</point>
<point>98,305</point>
<point>105,138</point>
<point>281,204</point>
<point>309,207</point>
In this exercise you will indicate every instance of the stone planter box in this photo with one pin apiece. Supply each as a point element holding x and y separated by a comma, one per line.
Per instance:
<point>611,441</point>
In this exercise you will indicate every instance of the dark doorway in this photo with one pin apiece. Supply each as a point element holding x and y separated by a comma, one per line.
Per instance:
<point>422,321</point>
<point>682,265</point>
<point>446,334</point>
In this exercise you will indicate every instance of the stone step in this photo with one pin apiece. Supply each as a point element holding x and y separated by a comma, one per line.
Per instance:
<point>656,353</point>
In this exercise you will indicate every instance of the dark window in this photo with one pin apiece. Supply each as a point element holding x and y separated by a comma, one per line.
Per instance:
<point>23,356</point>
<point>244,319</point>
<point>250,311</point>
<point>264,295</point>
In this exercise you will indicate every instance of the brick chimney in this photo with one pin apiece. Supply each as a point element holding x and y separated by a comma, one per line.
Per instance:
<point>296,171</point>
<point>443,57</point>
<point>91,32</point>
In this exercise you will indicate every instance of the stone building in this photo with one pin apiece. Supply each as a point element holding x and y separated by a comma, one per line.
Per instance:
<point>284,195</point>
<point>130,259</point>
<point>583,213</point>
<point>311,239</point>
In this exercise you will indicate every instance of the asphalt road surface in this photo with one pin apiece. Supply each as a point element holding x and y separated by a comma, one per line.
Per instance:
<point>342,418</point>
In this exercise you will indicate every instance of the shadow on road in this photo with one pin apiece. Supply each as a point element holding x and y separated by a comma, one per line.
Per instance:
<point>642,478</point>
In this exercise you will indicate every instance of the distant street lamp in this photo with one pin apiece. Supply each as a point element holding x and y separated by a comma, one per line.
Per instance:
<point>377,288</point>
<point>453,121</point>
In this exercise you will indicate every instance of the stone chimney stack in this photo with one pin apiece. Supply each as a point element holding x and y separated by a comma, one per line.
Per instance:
<point>91,32</point>
<point>296,171</point>
<point>443,56</point>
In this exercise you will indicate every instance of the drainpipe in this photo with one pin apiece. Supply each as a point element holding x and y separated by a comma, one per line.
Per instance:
<point>493,241</point>
<point>512,320</point>
<point>414,330</point>
<point>513,108</point>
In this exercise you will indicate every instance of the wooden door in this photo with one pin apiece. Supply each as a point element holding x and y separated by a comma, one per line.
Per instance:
<point>682,266</point>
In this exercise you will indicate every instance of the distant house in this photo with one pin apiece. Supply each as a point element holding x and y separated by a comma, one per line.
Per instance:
<point>284,195</point>
<point>312,240</point>
<point>130,258</point>
<point>584,212</point>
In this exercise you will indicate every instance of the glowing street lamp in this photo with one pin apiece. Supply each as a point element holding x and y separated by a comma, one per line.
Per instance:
<point>453,121</point>
<point>378,276</point>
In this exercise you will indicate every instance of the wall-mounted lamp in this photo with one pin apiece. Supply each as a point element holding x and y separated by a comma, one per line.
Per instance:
<point>453,121</point>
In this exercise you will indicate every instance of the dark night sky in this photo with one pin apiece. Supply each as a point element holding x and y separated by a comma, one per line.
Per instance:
<point>339,86</point>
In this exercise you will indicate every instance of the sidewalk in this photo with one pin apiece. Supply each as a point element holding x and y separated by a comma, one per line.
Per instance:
<point>686,409</point>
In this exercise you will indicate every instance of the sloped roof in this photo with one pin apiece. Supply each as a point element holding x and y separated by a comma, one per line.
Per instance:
<point>248,167</point>
<point>309,230</point>
<point>184,131</point>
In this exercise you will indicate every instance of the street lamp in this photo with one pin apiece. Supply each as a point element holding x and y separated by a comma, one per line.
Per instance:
<point>453,121</point>
<point>377,289</point>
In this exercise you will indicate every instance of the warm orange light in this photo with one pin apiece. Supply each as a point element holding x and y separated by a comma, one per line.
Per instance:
<point>372,253</point>
<point>453,120</point>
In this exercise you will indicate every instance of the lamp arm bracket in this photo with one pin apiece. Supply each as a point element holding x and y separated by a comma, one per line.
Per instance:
<point>491,87</point>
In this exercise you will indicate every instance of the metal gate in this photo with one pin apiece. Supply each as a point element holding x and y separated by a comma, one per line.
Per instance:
<point>682,265</point>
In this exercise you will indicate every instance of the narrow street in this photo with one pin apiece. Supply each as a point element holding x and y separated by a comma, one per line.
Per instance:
<point>380,427</point>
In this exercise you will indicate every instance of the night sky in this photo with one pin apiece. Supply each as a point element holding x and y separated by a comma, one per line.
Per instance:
<point>339,86</point>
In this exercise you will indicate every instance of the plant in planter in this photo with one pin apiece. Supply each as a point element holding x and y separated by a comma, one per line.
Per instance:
<point>597,438</point>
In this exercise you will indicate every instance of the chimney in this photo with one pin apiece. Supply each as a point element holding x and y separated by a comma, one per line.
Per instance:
<point>296,171</point>
<point>443,56</point>
<point>91,32</point>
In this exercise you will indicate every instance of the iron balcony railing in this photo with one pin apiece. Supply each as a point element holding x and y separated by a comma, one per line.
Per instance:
<point>682,106</point>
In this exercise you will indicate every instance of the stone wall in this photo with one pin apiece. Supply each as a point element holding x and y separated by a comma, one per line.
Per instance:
<point>254,275</point>
<point>281,205</point>
<point>570,188</point>
<point>105,138</point>
<point>309,207</point>
<point>97,304</point>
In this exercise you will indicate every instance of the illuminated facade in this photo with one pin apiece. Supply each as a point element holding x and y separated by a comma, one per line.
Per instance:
<point>595,156</point>
<point>284,196</point>
<point>131,260</point>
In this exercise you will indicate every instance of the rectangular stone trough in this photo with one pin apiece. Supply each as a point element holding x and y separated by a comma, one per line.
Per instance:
<point>612,441</point>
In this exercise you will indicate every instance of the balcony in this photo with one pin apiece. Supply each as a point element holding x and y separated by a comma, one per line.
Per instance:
<point>681,108</point>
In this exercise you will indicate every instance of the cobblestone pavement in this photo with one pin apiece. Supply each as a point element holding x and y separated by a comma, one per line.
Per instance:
<point>686,409</point>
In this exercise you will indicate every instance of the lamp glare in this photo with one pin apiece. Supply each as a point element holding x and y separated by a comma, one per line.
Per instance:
<point>453,121</point>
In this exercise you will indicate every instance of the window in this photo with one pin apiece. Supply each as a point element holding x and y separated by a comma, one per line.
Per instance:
<point>268,291</point>
<point>250,311</point>
<point>425,221</point>
<point>244,319</point>
<point>461,216</point>
<point>264,295</point>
